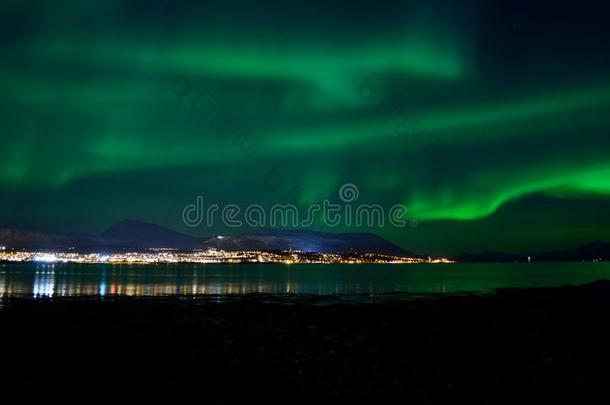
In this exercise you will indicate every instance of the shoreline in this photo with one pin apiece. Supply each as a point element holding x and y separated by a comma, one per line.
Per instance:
<point>533,345</point>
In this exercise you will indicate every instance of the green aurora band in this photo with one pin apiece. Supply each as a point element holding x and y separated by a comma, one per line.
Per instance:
<point>94,130</point>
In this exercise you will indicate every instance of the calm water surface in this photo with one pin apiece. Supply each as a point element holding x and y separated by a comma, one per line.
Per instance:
<point>55,280</point>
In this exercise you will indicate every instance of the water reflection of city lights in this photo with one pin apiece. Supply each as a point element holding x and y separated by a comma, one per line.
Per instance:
<point>44,281</point>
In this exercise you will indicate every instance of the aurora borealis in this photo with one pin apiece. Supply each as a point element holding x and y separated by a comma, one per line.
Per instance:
<point>513,97</point>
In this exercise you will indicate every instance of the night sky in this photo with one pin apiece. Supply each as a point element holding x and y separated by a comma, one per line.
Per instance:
<point>489,120</point>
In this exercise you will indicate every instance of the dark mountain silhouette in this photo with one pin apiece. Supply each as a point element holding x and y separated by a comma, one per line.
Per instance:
<point>133,234</point>
<point>34,239</point>
<point>592,251</point>
<point>308,241</point>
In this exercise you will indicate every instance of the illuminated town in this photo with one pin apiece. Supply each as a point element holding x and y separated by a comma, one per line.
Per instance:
<point>165,256</point>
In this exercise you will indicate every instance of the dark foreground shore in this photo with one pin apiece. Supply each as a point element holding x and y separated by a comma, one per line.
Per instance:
<point>519,346</point>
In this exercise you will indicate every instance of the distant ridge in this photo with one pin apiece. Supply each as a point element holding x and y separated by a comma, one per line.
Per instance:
<point>138,235</point>
<point>592,251</point>
<point>33,239</point>
<point>134,234</point>
<point>309,241</point>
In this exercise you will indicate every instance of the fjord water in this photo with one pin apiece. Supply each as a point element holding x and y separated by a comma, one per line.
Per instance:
<point>73,280</point>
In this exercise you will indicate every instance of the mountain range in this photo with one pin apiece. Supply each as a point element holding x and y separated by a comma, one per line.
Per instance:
<point>597,250</point>
<point>133,234</point>
<point>137,235</point>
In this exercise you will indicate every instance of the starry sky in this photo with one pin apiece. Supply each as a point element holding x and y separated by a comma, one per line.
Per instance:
<point>489,121</point>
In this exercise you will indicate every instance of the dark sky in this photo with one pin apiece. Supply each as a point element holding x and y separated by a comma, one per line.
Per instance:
<point>489,121</point>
